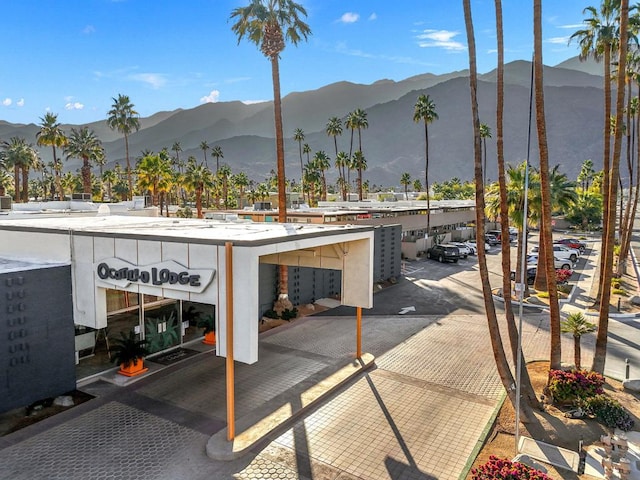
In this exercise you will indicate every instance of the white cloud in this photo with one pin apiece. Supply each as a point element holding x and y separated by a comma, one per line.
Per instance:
<point>558,40</point>
<point>154,80</point>
<point>572,26</point>
<point>213,97</point>
<point>74,106</point>
<point>349,17</point>
<point>89,29</point>
<point>440,39</point>
<point>7,101</point>
<point>373,16</point>
<point>20,102</point>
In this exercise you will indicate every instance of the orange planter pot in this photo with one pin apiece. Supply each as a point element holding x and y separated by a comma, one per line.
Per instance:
<point>209,338</point>
<point>132,369</point>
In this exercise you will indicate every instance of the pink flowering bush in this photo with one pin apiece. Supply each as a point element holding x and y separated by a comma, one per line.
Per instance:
<point>570,386</point>
<point>562,275</point>
<point>503,469</point>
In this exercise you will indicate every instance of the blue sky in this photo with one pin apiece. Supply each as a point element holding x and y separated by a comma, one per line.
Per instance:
<point>71,57</point>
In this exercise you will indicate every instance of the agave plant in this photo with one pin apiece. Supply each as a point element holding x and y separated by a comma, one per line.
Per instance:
<point>128,349</point>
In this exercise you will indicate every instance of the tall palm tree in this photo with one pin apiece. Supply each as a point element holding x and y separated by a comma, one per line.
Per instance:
<point>223,175</point>
<point>125,119</point>
<point>586,174</point>
<point>51,134</point>
<point>599,39</point>
<point>425,111</point>
<point>197,178</point>
<point>298,136</point>
<point>84,144</point>
<point>110,178</point>
<point>341,162</point>
<point>176,148</point>
<point>600,352</point>
<point>492,320</point>
<point>485,132</point>
<point>268,23</point>
<point>546,240</point>
<point>577,325</point>
<point>334,129</point>
<point>204,146</point>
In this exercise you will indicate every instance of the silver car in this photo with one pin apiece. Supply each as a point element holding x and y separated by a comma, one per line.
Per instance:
<point>465,251</point>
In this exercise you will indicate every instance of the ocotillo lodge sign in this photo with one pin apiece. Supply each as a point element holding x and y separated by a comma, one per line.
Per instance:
<point>168,275</point>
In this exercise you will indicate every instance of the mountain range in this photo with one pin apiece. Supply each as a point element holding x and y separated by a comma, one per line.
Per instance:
<point>393,143</point>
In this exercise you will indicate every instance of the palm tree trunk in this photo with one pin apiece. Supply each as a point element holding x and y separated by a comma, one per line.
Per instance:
<point>599,356</point>
<point>16,182</point>
<point>526,386</point>
<point>199,202</point>
<point>606,162</point>
<point>577,353</point>
<point>25,184</point>
<point>129,179</point>
<point>546,241</point>
<point>426,177</point>
<point>494,330</point>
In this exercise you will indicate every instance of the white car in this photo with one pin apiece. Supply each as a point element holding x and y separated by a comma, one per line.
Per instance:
<point>564,264</point>
<point>465,251</point>
<point>473,246</point>
<point>562,252</point>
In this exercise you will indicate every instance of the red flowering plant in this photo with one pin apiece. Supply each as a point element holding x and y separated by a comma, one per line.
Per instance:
<point>570,386</point>
<point>563,274</point>
<point>503,469</point>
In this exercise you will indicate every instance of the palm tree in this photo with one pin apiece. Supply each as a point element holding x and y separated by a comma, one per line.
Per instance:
<point>417,185</point>
<point>359,164</point>
<point>84,144</point>
<point>577,325</point>
<point>176,148</point>
<point>204,146</point>
<point>298,136</point>
<point>268,23</point>
<point>124,118</point>
<point>492,321</point>
<point>599,40</point>
<point>241,182</point>
<point>110,178</point>
<point>342,161</point>
<point>312,179</point>
<point>586,174</point>
<point>322,163</point>
<point>546,240</point>
<point>153,172</point>
<point>405,181</point>
<point>485,132</point>
<point>51,134</point>
<point>610,199</point>
<point>223,175</point>
<point>334,129</point>
<point>197,178</point>
<point>425,111</point>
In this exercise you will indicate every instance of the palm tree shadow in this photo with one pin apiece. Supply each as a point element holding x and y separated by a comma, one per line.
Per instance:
<point>396,468</point>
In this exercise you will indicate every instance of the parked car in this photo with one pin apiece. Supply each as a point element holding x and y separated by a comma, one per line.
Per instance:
<point>562,252</point>
<point>513,236</point>
<point>531,274</point>
<point>444,253</point>
<point>558,263</point>
<point>572,243</point>
<point>491,239</point>
<point>464,250</point>
<point>473,246</point>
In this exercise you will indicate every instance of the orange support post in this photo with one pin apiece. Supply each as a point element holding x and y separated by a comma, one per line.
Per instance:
<point>231,422</point>
<point>358,332</point>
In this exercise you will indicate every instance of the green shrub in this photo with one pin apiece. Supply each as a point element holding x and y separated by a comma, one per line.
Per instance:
<point>570,386</point>
<point>608,411</point>
<point>615,283</point>
<point>619,291</point>
<point>565,288</point>
<point>271,314</point>
<point>289,314</point>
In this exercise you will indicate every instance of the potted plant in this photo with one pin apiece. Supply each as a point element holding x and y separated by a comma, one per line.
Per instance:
<point>208,324</point>
<point>129,352</point>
